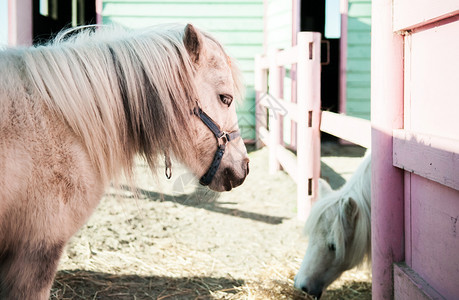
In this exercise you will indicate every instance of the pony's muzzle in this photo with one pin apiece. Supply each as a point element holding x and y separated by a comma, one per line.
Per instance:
<point>233,177</point>
<point>315,292</point>
<point>305,285</point>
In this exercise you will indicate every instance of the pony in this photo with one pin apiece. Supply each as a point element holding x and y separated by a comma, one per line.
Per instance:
<point>339,230</point>
<point>76,111</point>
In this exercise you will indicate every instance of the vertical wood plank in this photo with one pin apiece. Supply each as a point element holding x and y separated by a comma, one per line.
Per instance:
<point>343,56</point>
<point>308,139</point>
<point>387,214</point>
<point>20,28</point>
<point>261,88</point>
<point>275,89</point>
<point>407,208</point>
<point>99,11</point>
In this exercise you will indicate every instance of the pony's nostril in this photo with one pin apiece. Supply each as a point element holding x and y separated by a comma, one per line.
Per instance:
<point>245,165</point>
<point>315,293</point>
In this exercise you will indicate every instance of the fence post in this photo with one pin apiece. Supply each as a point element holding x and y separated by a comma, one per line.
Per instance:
<point>20,27</point>
<point>261,88</point>
<point>387,196</point>
<point>275,127</point>
<point>308,131</point>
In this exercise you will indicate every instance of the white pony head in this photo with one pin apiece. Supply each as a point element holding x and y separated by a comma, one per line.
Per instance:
<point>217,82</point>
<point>129,92</point>
<point>339,232</point>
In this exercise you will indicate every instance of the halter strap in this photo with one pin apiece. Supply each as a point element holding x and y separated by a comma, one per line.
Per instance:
<point>222,137</point>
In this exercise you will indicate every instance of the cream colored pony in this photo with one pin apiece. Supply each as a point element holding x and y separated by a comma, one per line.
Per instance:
<point>74,113</point>
<point>339,230</point>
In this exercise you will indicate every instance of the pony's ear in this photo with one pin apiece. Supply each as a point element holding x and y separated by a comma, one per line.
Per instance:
<point>193,42</point>
<point>351,209</point>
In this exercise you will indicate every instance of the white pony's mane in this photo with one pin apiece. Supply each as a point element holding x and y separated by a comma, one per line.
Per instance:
<point>359,189</point>
<point>122,92</point>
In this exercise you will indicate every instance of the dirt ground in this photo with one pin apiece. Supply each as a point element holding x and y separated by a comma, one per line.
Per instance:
<point>177,240</point>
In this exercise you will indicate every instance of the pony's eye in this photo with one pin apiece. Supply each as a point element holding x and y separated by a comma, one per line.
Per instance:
<point>331,247</point>
<point>226,99</point>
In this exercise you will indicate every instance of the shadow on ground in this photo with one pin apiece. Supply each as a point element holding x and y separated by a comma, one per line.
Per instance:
<point>203,198</point>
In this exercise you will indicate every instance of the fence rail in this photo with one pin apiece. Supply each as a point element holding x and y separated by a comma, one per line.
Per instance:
<point>271,108</point>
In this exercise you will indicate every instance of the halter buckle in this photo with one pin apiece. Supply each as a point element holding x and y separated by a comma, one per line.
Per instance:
<point>223,139</point>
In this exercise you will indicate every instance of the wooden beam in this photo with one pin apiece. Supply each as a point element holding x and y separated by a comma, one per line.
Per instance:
<point>405,17</point>
<point>409,285</point>
<point>263,61</point>
<point>352,129</point>
<point>287,57</point>
<point>263,135</point>
<point>281,106</point>
<point>432,157</point>
<point>288,162</point>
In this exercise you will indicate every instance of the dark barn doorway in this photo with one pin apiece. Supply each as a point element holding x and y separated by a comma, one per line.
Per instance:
<point>51,16</point>
<point>313,17</point>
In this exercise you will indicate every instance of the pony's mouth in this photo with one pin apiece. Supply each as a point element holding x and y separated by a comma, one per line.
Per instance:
<point>229,185</point>
<point>227,180</point>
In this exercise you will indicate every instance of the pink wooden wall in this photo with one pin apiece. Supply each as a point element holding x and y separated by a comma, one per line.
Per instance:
<point>415,140</point>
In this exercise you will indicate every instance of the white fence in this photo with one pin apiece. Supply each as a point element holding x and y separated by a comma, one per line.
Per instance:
<point>304,167</point>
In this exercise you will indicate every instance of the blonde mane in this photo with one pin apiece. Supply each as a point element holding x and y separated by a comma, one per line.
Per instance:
<point>122,92</point>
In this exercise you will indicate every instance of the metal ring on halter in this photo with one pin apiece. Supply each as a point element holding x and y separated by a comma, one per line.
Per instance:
<point>168,163</point>
<point>223,139</point>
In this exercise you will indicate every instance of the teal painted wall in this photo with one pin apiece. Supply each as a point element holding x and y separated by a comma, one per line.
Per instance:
<point>279,24</point>
<point>238,24</point>
<point>358,59</point>
<point>279,36</point>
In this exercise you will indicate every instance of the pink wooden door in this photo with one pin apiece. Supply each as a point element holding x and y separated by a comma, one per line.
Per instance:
<point>425,156</point>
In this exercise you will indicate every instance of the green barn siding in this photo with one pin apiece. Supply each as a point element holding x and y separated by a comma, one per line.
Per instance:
<point>360,9</point>
<point>358,66</point>
<point>279,36</point>
<point>359,38</point>
<point>358,24</point>
<point>359,93</point>
<point>170,9</point>
<point>357,51</point>
<point>246,24</point>
<point>279,24</point>
<point>237,24</point>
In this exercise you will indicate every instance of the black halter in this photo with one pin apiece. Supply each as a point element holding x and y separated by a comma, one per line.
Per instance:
<point>222,137</point>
